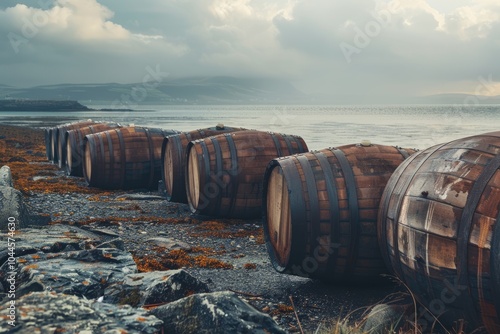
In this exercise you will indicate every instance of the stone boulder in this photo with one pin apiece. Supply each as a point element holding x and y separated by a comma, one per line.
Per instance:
<point>82,273</point>
<point>49,312</point>
<point>152,288</point>
<point>385,318</point>
<point>12,209</point>
<point>49,239</point>
<point>6,177</point>
<point>214,313</point>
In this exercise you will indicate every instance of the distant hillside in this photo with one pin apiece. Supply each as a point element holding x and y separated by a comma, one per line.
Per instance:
<point>41,105</point>
<point>458,99</point>
<point>198,90</point>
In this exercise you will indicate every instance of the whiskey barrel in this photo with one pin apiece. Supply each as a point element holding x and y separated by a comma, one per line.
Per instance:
<point>124,158</point>
<point>174,159</point>
<point>54,144</point>
<point>320,211</point>
<point>48,143</point>
<point>224,173</point>
<point>439,229</point>
<point>61,141</point>
<point>74,140</point>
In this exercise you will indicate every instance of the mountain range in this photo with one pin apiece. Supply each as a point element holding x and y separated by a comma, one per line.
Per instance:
<point>196,90</point>
<point>214,90</point>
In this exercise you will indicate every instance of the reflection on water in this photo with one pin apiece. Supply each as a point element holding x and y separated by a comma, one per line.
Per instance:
<point>321,126</point>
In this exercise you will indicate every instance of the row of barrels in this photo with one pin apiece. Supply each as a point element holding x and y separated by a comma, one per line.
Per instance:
<point>347,214</point>
<point>431,218</point>
<point>107,154</point>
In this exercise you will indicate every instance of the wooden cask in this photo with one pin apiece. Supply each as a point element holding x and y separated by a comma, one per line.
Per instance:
<point>74,140</point>
<point>174,159</point>
<point>224,173</point>
<point>55,147</point>
<point>48,143</point>
<point>61,141</point>
<point>124,158</point>
<point>439,229</point>
<point>320,211</point>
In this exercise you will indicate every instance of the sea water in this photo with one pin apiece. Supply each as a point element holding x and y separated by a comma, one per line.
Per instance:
<point>412,126</point>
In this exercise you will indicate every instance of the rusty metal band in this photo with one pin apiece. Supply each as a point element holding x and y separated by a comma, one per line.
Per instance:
<point>102,160</point>
<point>333,199</point>
<point>352,198</point>
<point>466,225</point>
<point>403,152</point>
<point>276,144</point>
<point>123,159</point>
<point>111,152</point>
<point>312,191</point>
<point>288,144</point>
<point>495,265</point>
<point>301,147</point>
<point>217,175</point>
<point>151,157</point>
<point>297,213</point>
<point>205,156</point>
<point>234,171</point>
<point>91,147</point>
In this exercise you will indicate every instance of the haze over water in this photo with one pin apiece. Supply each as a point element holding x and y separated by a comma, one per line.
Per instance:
<point>415,126</point>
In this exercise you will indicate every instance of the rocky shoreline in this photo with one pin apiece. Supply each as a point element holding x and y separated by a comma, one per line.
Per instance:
<point>122,256</point>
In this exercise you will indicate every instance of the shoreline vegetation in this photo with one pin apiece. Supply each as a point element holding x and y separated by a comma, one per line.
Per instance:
<point>48,105</point>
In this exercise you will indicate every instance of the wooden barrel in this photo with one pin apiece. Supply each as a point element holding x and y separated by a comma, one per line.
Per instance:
<point>320,211</point>
<point>439,229</point>
<point>54,142</point>
<point>124,158</point>
<point>224,173</point>
<point>48,143</point>
<point>174,159</point>
<point>74,140</point>
<point>61,141</point>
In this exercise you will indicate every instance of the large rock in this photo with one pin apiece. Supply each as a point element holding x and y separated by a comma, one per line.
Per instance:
<point>385,318</point>
<point>6,177</point>
<point>152,288</point>
<point>82,273</point>
<point>12,209</point>
<point>49,239</point>
<point>44,312</point>
<point>214,313</point>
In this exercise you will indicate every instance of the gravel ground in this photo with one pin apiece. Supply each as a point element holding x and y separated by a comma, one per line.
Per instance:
<point>226,254</point>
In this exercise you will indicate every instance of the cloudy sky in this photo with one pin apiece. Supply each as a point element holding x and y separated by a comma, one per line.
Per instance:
<point>354,47</point>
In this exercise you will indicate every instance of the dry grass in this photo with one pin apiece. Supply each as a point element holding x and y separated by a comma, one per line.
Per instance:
<point>176,259</point>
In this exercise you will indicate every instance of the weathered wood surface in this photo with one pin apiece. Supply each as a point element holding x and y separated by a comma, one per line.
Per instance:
<point>174,159</point>
<point>56,133</point>
<point>320,211</point>
<point>124,158</point>
<point>75,145</point>
<point>439,230</point>
<point>225,172</point>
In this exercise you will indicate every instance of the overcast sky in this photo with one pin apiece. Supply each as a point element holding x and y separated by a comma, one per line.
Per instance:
<point>413,47</point>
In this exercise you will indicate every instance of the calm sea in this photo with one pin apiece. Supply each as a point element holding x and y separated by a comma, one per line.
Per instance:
<point>415,126</point>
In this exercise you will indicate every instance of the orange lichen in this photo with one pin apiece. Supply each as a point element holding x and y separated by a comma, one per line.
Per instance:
<point>176,259</point>
<point>133,207</point>
<point>31,266</point>
<point>249,266</point>
<point>206,262</point>
<point>281,308</point>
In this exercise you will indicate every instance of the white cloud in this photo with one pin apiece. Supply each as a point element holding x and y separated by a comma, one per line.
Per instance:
<point>420,47</point>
